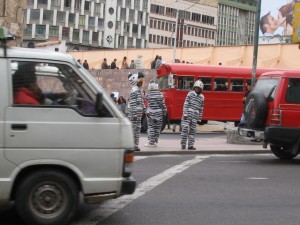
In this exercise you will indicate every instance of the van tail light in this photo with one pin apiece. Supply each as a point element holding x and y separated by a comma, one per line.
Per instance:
<point>128,160</point>
<point>276,117</point>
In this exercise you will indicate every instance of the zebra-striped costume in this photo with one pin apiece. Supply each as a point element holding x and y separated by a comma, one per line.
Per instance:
<point>136,108</point>
<point>192,109</point>
<point>155,111</point>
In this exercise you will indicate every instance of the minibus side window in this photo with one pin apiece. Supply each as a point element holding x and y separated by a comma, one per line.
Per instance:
<point>206,82</point>
<point>185,83</point>
<point>221,84</point>
<point>237,85</point>
<point>41,84</point>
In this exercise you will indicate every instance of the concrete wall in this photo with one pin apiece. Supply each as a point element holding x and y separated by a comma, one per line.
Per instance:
<point>117,80</point>
<point>269,56</point>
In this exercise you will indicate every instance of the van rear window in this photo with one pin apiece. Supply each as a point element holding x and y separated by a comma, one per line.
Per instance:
<point>293,91</point>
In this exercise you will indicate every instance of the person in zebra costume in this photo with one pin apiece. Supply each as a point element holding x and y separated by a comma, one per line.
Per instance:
<point>155,112</point>
<point>192,115</point>
<point>136,105</point>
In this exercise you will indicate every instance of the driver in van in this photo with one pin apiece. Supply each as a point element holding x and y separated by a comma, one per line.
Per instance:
<point>26,90</point>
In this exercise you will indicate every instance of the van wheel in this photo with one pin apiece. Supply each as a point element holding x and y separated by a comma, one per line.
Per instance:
<point>144,127</point>
<point>282,153</point>
<point>256,110</point>
<point>47,198</point>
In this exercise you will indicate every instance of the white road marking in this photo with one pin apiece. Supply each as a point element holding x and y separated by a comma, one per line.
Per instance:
<point>112,206</point>
<point>257,178</point>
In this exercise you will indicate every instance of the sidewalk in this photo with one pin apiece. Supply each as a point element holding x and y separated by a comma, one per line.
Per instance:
<point>214,145</point>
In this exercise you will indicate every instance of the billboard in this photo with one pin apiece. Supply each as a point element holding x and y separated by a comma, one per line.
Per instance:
<point>296,24</point>
<point>276,18</point>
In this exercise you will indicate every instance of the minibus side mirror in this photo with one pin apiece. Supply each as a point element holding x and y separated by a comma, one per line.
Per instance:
<point>99,102</point>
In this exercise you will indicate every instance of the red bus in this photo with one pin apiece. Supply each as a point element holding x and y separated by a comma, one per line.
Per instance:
<point>224,88</point>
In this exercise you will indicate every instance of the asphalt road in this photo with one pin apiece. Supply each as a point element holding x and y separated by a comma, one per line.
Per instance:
<point>200,189</point>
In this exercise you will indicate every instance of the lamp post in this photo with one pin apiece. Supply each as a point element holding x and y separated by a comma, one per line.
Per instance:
<point>255,50</point>
<point>176,25</point>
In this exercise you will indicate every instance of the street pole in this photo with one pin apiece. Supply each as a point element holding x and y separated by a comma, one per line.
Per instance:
<point>255,50</point>
<point>176,25</point>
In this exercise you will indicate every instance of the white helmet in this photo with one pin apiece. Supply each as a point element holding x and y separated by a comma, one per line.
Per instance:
<point>152,86</point>
<point>134,78</point>
<point>199,84</point>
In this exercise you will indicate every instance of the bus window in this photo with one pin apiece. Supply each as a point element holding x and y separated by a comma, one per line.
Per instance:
<point>185,83</point>
<point>237,85</point>
<point>206,82</point>
<point>163,82</point>
<point>221,84</point>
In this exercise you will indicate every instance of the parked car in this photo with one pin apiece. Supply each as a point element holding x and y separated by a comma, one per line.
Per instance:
<point>273,112</point>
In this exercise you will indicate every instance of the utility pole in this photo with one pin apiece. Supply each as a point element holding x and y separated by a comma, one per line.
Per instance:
<point>176,25</point>
<point>256,37</point>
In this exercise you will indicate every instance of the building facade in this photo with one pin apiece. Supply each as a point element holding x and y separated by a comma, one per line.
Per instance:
<point>88,24</point>
<point>236,22</point>
<point>196,23</point>
<point>11,17</point>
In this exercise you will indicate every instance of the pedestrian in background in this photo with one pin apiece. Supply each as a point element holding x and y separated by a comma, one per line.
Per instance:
<point>156,111</point>
<point>154,62</point>
<point>158,62</point>
<point>132,65</point>
<point>243,118</point>
<point>104,64</point>
<point>122,104</point>
<point>113,65</point>
<point>136,105</point>
<point>124,63</point>
<point>192,115</point>
<point>85,64</point>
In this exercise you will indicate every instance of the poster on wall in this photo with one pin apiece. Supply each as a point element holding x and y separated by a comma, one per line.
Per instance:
<point>276,18</point>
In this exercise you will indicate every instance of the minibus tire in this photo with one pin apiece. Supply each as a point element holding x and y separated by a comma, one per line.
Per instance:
<point>256,110</point>
<point>47,197</point>
<point>281,152</point>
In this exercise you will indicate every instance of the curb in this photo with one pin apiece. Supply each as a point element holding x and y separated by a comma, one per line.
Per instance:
<point>201,152</point>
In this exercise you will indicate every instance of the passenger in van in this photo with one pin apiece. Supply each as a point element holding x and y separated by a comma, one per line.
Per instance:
<point>25,88</point>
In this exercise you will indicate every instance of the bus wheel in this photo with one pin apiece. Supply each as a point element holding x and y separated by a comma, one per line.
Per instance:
<point>144,124</point>
<point>47,197</point>
<point>282,153</point>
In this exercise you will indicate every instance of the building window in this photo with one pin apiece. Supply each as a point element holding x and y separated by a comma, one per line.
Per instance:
<point>131,14</point>
<point>87,6</point>
<point>100,24</point>
<point>140,15</point>
<point>137,3</point>
<point>121,41</point>
<point>95,36</point>
<point>71,18</point>
<point>77,4</point>
<point>128,2</point>
<point>55,2</point>
<point>28,29</point>
<point>91,21</point>
<point>30,2</point>
<point>35,14</point>
<point>61,16</point>
<point>145,4</point>
<point>40,29</point>
<point>130,42</point>
<point>48,15</point>
<point>123,13</point>
<point>75,34</point>
<point>81,20</point>
<point>135,28</point>
<point>65,32</point>
<point>138,43</point>
<point>53,31</point>
<point>126,27</point>
<point>67,3</point>
<point>45,2</point>
<point>85,36</point>
<point>97,8</point>
<point>143,30</point>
